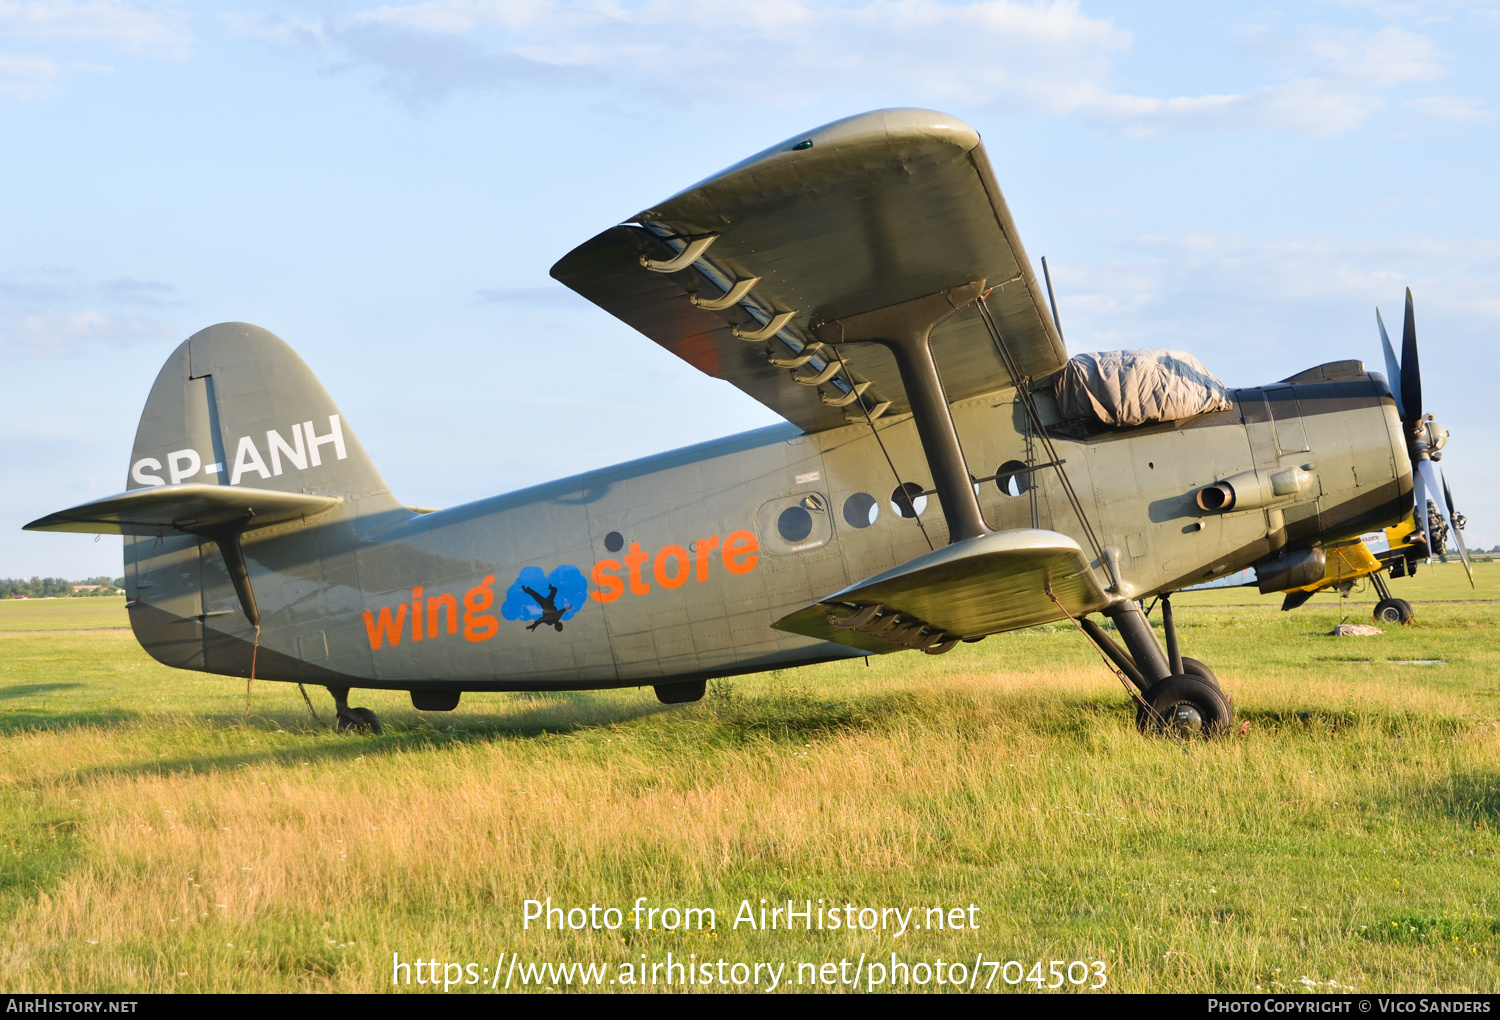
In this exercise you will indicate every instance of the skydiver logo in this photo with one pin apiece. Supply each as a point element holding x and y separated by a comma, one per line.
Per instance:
<point>301,452</point>
<point>545,600</point>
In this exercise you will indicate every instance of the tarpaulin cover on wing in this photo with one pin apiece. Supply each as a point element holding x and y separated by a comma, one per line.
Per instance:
<point>1134,387</point>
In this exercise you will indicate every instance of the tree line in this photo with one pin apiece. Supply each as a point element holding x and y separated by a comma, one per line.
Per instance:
<point>57,587</point>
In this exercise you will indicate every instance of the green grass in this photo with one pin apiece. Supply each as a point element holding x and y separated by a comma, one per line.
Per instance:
<point>63,614</point>
<point>154,843</point>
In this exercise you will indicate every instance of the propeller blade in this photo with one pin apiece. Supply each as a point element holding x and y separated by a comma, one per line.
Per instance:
<point>1421,506</point>
<point>1458,535</point>
<point>1428,472</point>
<point>1392,366</point>
<point>1411,370</point>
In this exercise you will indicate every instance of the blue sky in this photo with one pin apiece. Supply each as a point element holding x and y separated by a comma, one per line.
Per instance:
<point>385,187</point>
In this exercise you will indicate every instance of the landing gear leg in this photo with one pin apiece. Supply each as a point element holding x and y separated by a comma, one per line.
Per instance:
<point>1389,609</point>
<point>1182,696</point>
<point>1169,625</point>
<point>358,719</point>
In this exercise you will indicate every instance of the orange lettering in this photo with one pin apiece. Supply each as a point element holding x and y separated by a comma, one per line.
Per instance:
<point>610,586</point>
<point>633,560</point>
<point>704,546</point>
<point>385,629</point>
<point>479,626</point>
<point>416,613</point>
<point>449,605</point>
<point>740,545</point>
<point>684,567</point>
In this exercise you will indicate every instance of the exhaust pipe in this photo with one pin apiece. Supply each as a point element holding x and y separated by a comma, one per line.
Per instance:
<point>1249,491</point>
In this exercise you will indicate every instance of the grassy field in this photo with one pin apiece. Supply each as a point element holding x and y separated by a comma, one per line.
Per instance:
<point>62,614</point>
<point>1348,840</point>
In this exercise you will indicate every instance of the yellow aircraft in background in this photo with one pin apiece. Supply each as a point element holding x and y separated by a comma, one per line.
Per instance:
<point>1349,561</point>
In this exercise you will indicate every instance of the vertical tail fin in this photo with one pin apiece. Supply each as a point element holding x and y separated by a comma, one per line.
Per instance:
<point>234,406</point>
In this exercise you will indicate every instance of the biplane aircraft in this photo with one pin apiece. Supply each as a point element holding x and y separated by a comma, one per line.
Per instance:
<point>1350,561</point>
<point>867,282</point>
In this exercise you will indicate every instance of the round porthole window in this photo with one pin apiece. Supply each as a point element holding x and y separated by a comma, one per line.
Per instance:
<point>1012,478</point>
<point>614,541</point>
<point>794,524</point>
<point>908,500</point>
<point>861,510</point>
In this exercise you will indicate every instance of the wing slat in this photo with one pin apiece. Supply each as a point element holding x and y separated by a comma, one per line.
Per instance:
<point>878,209</point>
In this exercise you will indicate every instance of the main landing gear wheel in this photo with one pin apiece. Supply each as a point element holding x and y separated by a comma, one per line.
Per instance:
<point>359,720</point>
<point>1393,611</point>
<point>1193,667</point>
<point>1185,706</point>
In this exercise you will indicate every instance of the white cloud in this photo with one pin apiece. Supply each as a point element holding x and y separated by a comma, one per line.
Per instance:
<point>1382,58</point>
<point>1047,56</point>
<point>136,30</point>
<point>28,75</point>
<point>1456,108</point>
<point>1262,306</point>
<point>58,315</point>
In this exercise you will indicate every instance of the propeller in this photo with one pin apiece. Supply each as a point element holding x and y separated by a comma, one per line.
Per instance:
<point>1456,525</point>
<point>1425,438</point>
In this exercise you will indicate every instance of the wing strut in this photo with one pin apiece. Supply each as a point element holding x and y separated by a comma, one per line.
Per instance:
<point>906,330</point>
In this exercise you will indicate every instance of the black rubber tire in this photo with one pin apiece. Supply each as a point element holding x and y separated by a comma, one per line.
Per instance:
<point>1392,611</point>
<point>360,720</point>
<point>1192,667</point>
<point>1186,706</point>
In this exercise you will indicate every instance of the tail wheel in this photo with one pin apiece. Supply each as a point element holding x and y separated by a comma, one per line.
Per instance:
<point>1185,706</point>
<point>360,720</point>
<point>1393,611</point>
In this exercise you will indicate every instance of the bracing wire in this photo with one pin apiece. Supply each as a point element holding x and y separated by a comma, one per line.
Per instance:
<point>310,708</point>
<point>892,464</point>
<point>1023,389</point>
<point>254,651</point>
<point>1130,688</point>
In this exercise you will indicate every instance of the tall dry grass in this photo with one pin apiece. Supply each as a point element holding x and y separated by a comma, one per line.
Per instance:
<point>1348,838</point>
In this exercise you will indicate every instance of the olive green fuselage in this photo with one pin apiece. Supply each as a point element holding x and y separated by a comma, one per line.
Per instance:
<point>678,564</point>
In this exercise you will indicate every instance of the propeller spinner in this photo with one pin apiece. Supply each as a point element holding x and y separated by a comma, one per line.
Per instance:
<point>1425,438</point>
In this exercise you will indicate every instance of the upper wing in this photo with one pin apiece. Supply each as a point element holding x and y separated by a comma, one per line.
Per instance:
<point>858,215</point>
<point>190,508</point>
<point>979,586</point>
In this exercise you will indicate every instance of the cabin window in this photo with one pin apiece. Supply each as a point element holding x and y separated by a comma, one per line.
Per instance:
<point>1012,478</point>
<point>861,510</point>
<point>794,524</point>
<point>909,500</point>
<point>614,541</point>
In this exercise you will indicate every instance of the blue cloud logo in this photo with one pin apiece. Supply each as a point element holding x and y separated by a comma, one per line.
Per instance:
<point>545,599</point>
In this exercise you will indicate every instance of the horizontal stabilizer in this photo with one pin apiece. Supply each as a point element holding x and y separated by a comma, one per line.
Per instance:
<point>192,508</point>
<point>979,586</point>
